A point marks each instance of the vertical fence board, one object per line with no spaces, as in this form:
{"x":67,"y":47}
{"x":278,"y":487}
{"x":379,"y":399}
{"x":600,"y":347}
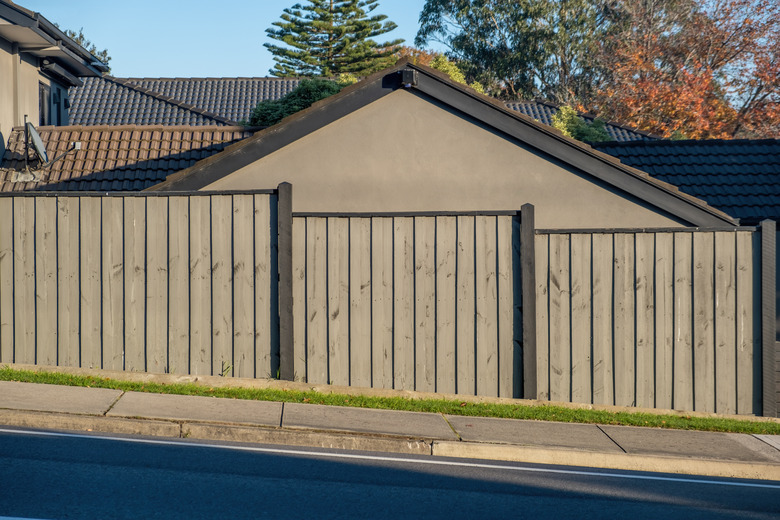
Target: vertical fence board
{"x":179,"y":286}
{"x":542,"y":248}
{"x":560,"y":316}
{"x":487,"y":311}
{"x":403,"y":320}
{"x":6,"y":280}
{"x":683,"y":321}
{"x":135,"y":283}
{"x":465,"y":311}
{"x":645,"y":320}
{"x":725,"y":323}
{"x":90,"y":222}
{"x":317,"y":300}
{"x":24,"y":280}
{"x":664,"y":321}
{"x":506,"y":313}
{"x":46,"y":280}
{"x":113,"y":284}
{"x":382,"y":302}
{"x":244,"y":299}
{"x":266,"y":319}
{"x":338,"y":300}
{"x":157,"y":284}
{"x":360,"y":302}
{"x":222,"y":362}
{"x":299,"y":296}
{"x":425,"y":303}
{"x":624,"y":309}
{"x":446,"y":304}
{"x":200,"y":286}
{"x":602,"y":258}
{"x":67,"y":281}
{"x":703,"y":326}
{"x":745,"y":338}
{"x":581,"y":318}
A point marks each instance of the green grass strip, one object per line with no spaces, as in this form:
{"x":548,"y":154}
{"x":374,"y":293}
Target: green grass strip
{"x":506,"y":411}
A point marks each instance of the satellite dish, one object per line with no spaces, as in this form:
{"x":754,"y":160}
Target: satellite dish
{"x":37,"y":143}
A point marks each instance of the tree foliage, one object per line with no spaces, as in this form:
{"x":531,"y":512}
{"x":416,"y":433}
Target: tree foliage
{"x":330,"y":37}
{"x":519,"y":48}
{"x":702,"y":69}
{"x":82,"y":40}
{"x":572,"y":125}
{"x":308,"y":92}
{"x":694,"y":68}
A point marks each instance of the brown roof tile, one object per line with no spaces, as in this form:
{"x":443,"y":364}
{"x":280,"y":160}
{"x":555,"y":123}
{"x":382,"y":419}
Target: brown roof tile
{"x":111,"y":158}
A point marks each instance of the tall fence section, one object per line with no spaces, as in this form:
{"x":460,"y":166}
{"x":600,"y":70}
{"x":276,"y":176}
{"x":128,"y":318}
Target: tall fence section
{"x":165,"y":284}
{"x":234,"y":284}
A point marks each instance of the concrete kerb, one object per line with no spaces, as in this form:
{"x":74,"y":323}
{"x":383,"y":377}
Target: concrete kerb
{"x":615,"y":461}
{"x":275,"y":384}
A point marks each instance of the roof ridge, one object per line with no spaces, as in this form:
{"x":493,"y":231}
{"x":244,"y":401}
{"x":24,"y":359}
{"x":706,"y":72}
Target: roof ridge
{"x":166,"y":99}
{"x":268,"y":78}
{"x":691,"y":142}
{"x":71,"y":128}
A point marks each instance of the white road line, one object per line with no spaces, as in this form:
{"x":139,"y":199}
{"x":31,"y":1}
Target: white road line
{"x":434,"y":462}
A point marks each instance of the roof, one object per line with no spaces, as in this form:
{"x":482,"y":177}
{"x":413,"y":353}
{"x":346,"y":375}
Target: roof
{"x":224,"y":101}
{"x":739,"y":177}
{"x":35,"y":35}
{"x":544,"y":111}
{"x":435,"y":85}
{"x":172,"y":101}
{"x":111,"y":158}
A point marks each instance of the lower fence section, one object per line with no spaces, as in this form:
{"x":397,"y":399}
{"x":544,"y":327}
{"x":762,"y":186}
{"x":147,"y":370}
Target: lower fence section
{"x":650,"y":319}
{"x":165,"y":284}
{"x":427,"y":303}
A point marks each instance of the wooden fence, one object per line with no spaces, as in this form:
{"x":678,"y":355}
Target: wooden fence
{"x":668,"y":319}
{"x":166,"y":284}
{"x":414,"y":302}
{"x":234,"y":284}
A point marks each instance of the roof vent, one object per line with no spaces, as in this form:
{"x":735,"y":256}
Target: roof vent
{"x":409,"y":78}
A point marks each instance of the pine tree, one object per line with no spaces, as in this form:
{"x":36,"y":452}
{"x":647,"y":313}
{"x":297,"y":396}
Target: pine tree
{"x":330,"y":37}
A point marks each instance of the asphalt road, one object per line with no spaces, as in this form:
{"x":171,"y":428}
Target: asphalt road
{"x":45,"y":475}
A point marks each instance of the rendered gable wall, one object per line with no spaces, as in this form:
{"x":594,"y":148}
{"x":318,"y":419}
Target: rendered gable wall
{"x":405,"y":152}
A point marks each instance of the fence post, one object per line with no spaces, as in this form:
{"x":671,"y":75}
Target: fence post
{"x":768,"y":317}
{"x":286,"y":355}
{"x":528,"y":283}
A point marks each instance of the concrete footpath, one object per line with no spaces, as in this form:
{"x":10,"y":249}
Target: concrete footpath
{"x":614,"y":447}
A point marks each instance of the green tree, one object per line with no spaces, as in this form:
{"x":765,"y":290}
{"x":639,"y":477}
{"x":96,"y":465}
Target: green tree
{"x":572,"y":125}
{"x":82,"y":40}
{"x":308,"y":92}
{"x":330,"y":37}
{"x":520,"y":48}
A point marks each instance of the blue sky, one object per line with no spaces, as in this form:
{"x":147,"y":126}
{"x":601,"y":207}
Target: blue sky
{"x":194,"y":38}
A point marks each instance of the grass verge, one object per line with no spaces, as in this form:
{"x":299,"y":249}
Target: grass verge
{"x":506,"y":411}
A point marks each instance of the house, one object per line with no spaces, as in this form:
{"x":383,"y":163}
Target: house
{"x":38,"y":64}
{"x":411,"y":139}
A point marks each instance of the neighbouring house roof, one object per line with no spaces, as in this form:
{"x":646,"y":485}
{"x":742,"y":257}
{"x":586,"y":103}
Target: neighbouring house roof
{"x":740,"y":177}
{"x":224,"y":101}
{"x":172,"y":101}
{"x":111,"y":158}
{"x":35,"y":35}
{"x":544,"y":111}
{"x":432,"y":84}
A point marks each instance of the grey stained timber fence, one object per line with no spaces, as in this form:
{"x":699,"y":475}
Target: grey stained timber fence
{"x":668,"y":319}
{"x":167,"y":284}
{"x":414,"y":302}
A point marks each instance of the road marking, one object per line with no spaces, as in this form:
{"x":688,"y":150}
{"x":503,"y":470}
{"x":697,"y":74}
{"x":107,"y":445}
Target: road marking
{"x":433,"y":462}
